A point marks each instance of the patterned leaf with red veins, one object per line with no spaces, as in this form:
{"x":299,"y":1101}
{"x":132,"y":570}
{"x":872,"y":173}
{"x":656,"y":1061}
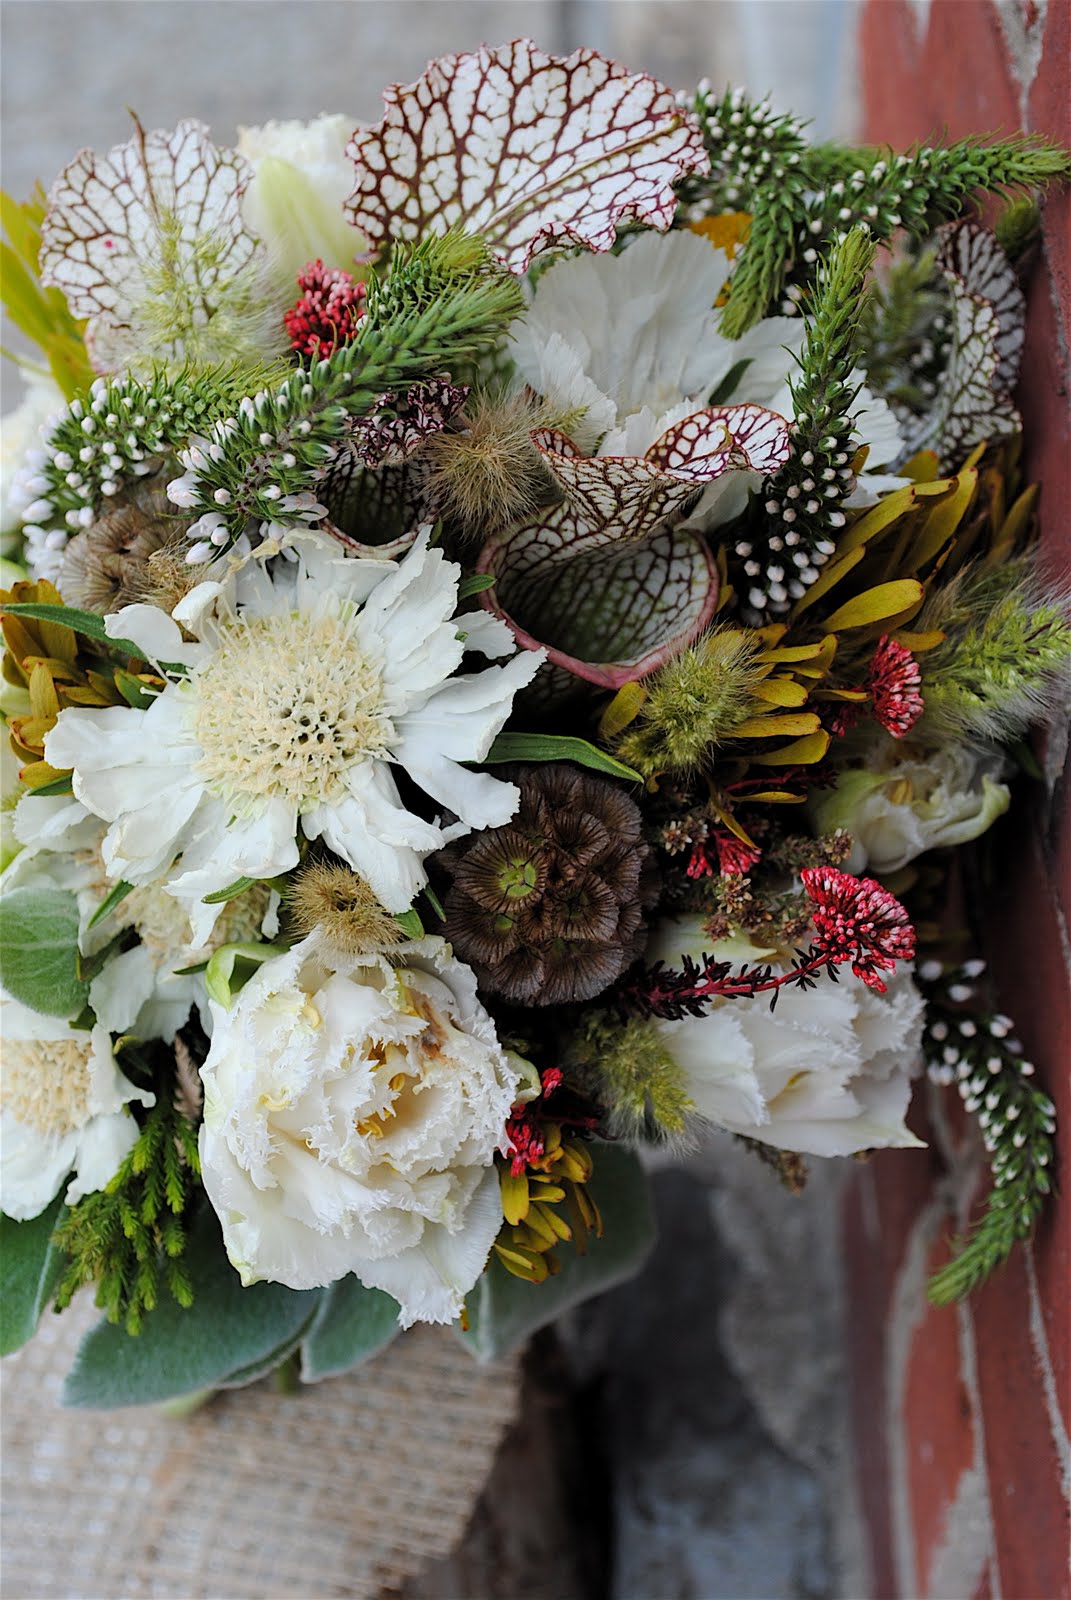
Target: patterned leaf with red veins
{"x":606,"y":615}
{"x":400,"y":424}
{"x":970,"y":254}
{"x":974,"y":397}
{"x":526,"y":149}
{"x":148,"y":241}
{"x":620,"y":498}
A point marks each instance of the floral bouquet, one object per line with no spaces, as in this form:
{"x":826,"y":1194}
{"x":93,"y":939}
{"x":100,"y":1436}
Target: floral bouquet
{"x":481,"y":592}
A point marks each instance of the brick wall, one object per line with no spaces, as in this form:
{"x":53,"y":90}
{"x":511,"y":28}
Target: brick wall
{"x":962,"y":1415}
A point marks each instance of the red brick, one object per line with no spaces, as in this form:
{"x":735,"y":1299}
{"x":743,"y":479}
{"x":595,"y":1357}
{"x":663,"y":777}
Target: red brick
{"x":938,"y":1425}
{"x":1029,"y":1510}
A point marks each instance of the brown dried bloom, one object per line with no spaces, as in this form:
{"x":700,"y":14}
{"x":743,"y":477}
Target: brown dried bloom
{"x":106,"y":566}
{"x":549,"y":909}
{"x":328,"y":895}
{"x":485,"y":470}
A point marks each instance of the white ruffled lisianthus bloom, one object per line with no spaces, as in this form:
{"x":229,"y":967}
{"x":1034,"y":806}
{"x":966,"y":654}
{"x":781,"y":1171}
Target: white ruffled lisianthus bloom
{"x":632,"y":340}
{"x":875,"y":426}
{"x":306,"y":687}
{"x":897,"y":807}
{"x":63,"y":1109}
{"x":353,"y":1107}
{"x":827,"y":1072}
{"x":301,"y":177}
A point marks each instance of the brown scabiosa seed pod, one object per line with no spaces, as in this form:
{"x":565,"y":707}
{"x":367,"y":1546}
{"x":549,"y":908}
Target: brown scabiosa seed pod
{"x":549,"y":909}
{"x":107,"y":566}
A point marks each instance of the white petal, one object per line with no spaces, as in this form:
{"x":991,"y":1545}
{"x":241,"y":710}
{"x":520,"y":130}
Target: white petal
{"x":32,"y":1168}
{"x":463,"y":717}
{"x":102,"y":1145}
{"x":380,"y":839}
{"x":152,"y":630}
{"x":431,"y":1280}
{"x":120,"y":990}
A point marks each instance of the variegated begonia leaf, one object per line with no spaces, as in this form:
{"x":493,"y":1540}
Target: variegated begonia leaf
{"x":400,"y":424}
{"x":988,"y":312}
{"x":604,"y":613}
{"x":565,"y":577}
{"x":526,"y":149}
{"x":148,"y":243}
{"x":628,"y":497}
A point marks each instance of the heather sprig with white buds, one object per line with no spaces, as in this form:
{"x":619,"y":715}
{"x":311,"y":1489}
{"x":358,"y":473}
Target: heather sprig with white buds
{"x":978,"y":1052}
{"x":802,"y":502}
{"x":438,"y":306}
{"x":800,"y":194}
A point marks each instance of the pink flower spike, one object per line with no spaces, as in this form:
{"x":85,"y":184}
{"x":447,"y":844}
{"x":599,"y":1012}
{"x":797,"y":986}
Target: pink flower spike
{"x":526,"y":149}
{"x":327,"y":314}
{"x":856,"y":920}
{"x":895,"y":687}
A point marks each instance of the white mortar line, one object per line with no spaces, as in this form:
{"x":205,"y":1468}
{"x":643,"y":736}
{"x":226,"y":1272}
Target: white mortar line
{"x":1040,"y":1341}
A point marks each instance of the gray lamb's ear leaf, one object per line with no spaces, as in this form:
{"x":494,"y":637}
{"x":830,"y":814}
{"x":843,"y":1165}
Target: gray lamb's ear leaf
{"x":503,"y":1310}
{"x":351,"y":1324}
{"x":30,"y":1268}
{"x":39,"y":951}
{"x":229,"y":1335}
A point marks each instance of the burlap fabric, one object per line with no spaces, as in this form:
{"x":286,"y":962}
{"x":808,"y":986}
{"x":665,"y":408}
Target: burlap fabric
{"x":344,"y":1489}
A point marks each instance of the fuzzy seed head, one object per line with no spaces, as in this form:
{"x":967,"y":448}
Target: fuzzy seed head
{"x":329,"y":896}
{"x":486,"y":472}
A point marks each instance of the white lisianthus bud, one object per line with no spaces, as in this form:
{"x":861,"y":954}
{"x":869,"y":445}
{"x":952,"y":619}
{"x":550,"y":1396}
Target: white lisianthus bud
{"x":909,"y":806}
{"x":353,"y":1107}
{"x":302,"y":175}
{"x":827,"y":1072}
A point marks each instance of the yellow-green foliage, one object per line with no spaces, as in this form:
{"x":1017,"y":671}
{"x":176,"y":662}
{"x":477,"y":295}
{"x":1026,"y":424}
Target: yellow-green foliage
{"x":694,"y":702}
{"x":628,"y":1068}
{"x":41,"y":314}
{"x":1006,"y":658}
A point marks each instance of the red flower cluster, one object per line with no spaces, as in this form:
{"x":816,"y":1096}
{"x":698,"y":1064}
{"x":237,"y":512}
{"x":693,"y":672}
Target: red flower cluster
{"x":327,"y":314}
{"x":856,"y":920}
{"x":895,"y":687}
{"x":525,"y":1128}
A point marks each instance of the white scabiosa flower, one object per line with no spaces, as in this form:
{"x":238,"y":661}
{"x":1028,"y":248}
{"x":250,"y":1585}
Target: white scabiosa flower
{"x":353,"y":1107}
{"x":899,"y":806}
{"x":827,"y":1072}
{"x":301,"y":177}
{"x":63,"y":1109}
{"x":304,"y":691}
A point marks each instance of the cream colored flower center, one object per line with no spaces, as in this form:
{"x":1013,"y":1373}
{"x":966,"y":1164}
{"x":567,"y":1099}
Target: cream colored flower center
{"x":46,"y":1083}
{"x":285,"y":707}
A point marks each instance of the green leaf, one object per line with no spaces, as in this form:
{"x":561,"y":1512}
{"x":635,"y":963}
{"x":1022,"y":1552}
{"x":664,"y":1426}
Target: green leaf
{"x":87,"y":623}
{"x":231,"y":892}
{"x":230,"y":968}
{"x":39,"y":951}
{"x":30,"y":1268}
{"x":351,"y":1324}
{"x":504,"y":1311}
{"x":119,"y":893}
{"x":476,"y":584}
{"x":133,"y":691}
{"x":227,"y":1336}
{"x":61,"y":785}
{"x":558,"y":747}
{"x":410,"y":923}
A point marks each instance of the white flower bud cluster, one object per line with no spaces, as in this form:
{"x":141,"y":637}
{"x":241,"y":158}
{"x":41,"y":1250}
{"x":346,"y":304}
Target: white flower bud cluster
{"x":979,"y":1053}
